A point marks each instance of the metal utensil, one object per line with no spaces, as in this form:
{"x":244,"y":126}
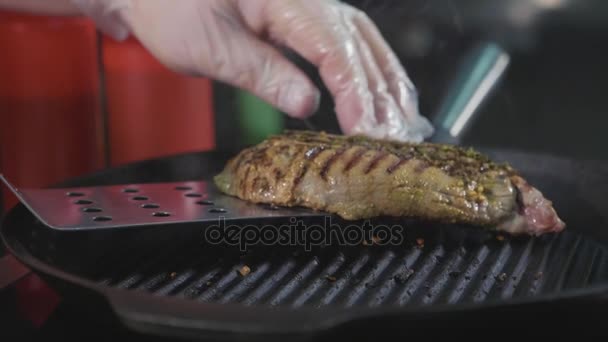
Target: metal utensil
{"x":480,"y":73}
{"x":136,"y":205}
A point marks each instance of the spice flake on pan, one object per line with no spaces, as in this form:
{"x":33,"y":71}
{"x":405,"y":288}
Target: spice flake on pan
{"x":244,"y":271}
{"x":357,"y":177}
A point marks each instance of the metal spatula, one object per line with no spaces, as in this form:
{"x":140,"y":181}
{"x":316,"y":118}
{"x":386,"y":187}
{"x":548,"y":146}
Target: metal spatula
{"x":134,"y":205}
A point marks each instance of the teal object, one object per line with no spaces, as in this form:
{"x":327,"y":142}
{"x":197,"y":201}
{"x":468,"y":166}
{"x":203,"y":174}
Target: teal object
{"x":480,"y":73}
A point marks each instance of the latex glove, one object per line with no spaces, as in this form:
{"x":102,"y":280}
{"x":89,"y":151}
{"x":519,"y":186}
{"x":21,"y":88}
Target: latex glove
{"x":234,"y":41}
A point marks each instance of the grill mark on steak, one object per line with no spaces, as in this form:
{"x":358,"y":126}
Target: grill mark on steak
{"x":244,"y":180}
{"x":310,"y":155}
{"x":261,"y":157}
{"x":330,"y":162}
{"x":397,"y":165}
{"x":355,"y":159}
{"x":245,"y":158}
{"x":435,"y":155}
{"x":374,"y":163}
{"x":278,"y":175}
{"x":238,"y":162}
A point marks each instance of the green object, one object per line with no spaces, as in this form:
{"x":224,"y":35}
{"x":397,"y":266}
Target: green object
{"x":257,"y":119}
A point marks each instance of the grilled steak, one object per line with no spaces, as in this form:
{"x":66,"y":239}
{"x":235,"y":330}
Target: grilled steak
{"x":357,"y":177}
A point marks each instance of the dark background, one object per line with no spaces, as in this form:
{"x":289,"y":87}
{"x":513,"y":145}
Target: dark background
{"x":552,"y":99}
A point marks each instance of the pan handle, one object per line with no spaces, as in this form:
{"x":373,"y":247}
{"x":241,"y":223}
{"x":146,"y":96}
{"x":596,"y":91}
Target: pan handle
{"x":11,"y":271}
{"x":188,"y":318}
{"x":477,"y":77}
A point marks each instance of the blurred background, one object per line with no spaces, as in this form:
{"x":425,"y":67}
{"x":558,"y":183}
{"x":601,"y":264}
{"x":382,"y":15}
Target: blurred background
{"x":514,"y":74}
{"x":549,"y":97}
{"x":527,"y":75}
{"x":529,"y":72}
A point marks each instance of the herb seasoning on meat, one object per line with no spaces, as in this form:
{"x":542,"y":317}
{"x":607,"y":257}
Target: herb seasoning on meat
{"x":357,"y":177}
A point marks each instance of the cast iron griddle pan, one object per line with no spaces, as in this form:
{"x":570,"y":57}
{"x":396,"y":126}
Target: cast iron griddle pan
{"x":168,"y":280}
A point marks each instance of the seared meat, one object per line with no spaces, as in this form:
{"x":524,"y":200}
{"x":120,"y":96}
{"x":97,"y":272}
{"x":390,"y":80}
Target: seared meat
{"x":357,"y":177}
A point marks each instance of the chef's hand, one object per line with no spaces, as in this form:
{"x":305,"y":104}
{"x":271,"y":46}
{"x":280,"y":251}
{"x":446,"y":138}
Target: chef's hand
{"x":234,"y":41}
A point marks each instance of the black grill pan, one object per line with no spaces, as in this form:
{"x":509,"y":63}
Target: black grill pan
{"x":168,"y":281}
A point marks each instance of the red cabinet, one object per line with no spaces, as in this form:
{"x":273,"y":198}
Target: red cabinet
{"x":50,"y":118}
{"x":152,"y":111}
{"x":59,"y":118}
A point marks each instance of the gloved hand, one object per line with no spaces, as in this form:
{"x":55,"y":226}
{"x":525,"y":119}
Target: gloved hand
{"x":234,"y":41}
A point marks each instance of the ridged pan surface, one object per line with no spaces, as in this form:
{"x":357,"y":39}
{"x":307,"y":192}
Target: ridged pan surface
{"x":367,"y":276}
{"x":434,"y":265}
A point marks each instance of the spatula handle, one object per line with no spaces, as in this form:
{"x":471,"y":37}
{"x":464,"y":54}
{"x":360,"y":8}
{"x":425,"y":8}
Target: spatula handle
{"x":477,"y":78}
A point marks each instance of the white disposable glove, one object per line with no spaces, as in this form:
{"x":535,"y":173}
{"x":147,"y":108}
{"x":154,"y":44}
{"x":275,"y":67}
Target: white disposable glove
{"x":234,"y":41}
